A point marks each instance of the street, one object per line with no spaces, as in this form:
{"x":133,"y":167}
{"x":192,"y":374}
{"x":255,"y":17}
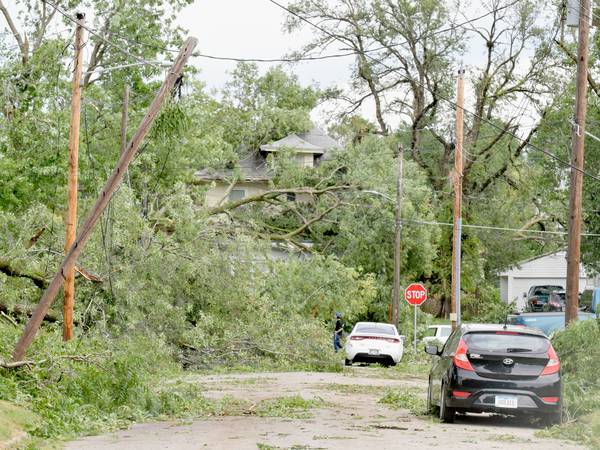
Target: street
{"x":348,"y":415}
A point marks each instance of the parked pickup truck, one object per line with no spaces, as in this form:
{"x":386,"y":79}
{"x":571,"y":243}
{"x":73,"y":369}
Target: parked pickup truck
{"x":548,"y":322}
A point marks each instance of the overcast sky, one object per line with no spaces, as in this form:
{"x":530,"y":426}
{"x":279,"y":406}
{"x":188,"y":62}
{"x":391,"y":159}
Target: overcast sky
{"x":252,"y":29}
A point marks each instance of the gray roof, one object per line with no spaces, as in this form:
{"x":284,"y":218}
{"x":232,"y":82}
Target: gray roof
{"x":254,"y":166}
{"x":294,"y":142}
{"x":319,"y":138}
{"x":314,"y":141}
{"x":251,"y":168}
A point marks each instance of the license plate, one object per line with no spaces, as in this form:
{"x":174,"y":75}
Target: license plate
{"x":506,"y":401}
{"x":373,"y":352}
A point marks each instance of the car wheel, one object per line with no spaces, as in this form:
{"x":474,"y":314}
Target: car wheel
{"x":553,"y":419}
{"x":446,"y":413}
{"x":348,"y":362}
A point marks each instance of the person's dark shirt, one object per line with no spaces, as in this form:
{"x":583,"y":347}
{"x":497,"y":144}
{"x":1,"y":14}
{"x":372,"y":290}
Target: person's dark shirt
{"x":339,"y":325}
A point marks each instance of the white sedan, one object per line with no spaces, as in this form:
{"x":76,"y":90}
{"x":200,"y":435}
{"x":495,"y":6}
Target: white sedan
{"x":373,"y":342}
{"x":437,"y":334}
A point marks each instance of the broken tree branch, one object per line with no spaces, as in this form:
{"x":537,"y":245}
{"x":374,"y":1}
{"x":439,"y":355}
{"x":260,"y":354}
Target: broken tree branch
{"x":273,"y":194}
{"x":106,"y":194}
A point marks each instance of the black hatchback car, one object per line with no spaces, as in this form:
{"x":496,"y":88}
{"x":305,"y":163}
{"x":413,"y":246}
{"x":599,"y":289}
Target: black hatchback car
{"x":494,"y":368}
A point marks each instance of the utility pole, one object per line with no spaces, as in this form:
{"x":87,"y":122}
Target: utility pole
{"x":577,"y":159}
{"x":71,"y":222}
{"x":458,"y":174}
{"x":398,"y":238}
{"x":106,"y":194}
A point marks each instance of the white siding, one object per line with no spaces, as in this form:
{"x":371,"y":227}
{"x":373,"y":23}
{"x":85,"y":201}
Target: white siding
{"x":546,"y":270}
{"x":218,"y":189}
{"x":548,"y":266}
{"x":517,"y":286}
{"x":504,"y":288}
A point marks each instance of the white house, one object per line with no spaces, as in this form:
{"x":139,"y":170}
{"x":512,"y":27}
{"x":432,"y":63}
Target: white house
{"x":254,"y":175}
{"x":550,"y":269}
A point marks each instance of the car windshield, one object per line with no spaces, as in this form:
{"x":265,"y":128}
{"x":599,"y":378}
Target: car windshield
{"x":373,"y":329}
{"x":505,"y":342}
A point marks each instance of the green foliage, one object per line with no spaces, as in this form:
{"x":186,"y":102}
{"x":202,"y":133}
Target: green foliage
{"x":293,"y":407}
{"x":95,"y":383}
{"x":578,"y":349}
{"x":485,"y":306}
{"x":410,"y":399}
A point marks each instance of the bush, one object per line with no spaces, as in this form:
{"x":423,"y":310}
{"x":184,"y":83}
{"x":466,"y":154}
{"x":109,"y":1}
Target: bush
{"x":95,"y":383}
{"x":578,"y":347}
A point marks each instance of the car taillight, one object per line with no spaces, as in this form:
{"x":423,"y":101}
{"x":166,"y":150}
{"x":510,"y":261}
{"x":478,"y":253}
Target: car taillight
{"x":460,"y":394}
{"x":392,"y":340}
{"x":460,"y":357}
{"x":553,"y":365}
{"x":550,"y":399}
{"x":357,"y":338}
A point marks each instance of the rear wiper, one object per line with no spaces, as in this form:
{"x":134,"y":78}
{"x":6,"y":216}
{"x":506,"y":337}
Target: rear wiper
{"x":518,"y":350}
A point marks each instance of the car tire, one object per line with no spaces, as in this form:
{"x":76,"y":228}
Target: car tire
{"x":348,"y":362}
{"x":553,"y":419}
{"x":446,"y":412}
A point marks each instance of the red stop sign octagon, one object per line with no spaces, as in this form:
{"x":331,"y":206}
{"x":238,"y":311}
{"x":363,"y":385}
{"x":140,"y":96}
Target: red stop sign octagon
{"x":415,"y":294}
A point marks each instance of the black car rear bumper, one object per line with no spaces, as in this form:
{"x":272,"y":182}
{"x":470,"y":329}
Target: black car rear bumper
{"x":485,"y":399}
{"x":483,"y":392}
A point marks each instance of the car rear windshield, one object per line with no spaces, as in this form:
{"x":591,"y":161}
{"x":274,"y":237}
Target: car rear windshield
{"x":506,"y":342}
{"x":374,"y":330}
{"x":546,"y":290}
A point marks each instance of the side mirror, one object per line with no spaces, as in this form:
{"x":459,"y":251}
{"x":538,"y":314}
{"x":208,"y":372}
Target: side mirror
{"x":524,"y":294}
{"x":432,"y":350}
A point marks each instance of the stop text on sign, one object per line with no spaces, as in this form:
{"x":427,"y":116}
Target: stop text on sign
{"x":415,"y":294}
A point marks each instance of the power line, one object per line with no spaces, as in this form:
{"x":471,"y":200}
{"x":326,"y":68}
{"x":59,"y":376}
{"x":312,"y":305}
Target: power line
{"x":307,"y":57}
{"x":451,"y":102}
{"x":98,"y":35}
{"x":489,"y":227}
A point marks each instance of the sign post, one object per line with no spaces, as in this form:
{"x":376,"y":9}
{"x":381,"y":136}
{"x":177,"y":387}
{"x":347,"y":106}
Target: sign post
{"x":415,"y":294}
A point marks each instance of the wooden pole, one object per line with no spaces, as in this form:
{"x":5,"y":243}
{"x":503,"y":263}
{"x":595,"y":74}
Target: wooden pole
{"x":457,"y":229}
{"x":71,"y":219}
{"x":577,"y":160}
{"x":108,"y":190}
{"x":398,"y":238}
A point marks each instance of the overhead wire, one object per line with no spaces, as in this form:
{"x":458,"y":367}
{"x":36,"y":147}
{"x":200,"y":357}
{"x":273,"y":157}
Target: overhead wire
{"x":293,"y":59}
{"x":450,"y":102}
{"x":95,"y":33}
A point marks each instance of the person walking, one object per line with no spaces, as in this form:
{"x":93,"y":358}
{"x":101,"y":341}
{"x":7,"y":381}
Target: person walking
{"x":337,"y":332}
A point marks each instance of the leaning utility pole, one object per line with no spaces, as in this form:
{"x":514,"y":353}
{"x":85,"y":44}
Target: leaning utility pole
{"x":71,"y":222}
{"x":458,"y":174}
{"x":577,"y":158}
{"x":398,"y":238}
{"x":106,"y":194}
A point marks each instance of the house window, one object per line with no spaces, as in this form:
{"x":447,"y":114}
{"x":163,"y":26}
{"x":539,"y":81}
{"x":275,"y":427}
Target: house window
{"x":291,"y":196}
{"x":236,"y":194}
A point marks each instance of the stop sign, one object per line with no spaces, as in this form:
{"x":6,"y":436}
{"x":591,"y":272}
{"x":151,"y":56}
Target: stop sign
{"x":415,"y":294}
